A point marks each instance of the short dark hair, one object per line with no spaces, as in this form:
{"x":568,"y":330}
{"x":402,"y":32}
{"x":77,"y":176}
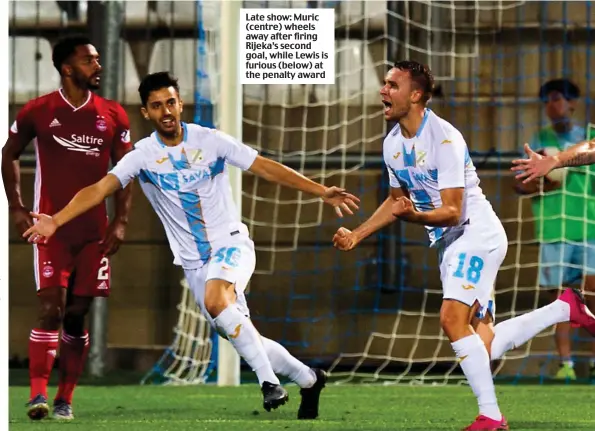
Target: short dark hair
{"x":564,"y":86}
{"x":420,"y":75}
{"x":156,"y":81}
{"x":65,"y":48}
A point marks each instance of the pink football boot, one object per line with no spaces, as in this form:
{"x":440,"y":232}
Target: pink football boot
{"x":484,"y":423}
{"x":580,"y":315}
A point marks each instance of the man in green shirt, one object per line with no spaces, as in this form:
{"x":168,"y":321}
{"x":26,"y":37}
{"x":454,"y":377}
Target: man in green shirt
{"x":564,"y":213}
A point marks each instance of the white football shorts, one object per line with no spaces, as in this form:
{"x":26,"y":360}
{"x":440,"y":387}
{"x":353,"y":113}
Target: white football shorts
{"x":232,"y":259}
{"x":469,"y":262}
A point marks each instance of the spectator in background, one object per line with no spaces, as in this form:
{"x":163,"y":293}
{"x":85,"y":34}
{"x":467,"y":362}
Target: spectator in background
{"x":562,"y":213}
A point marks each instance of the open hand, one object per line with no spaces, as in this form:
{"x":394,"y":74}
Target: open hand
{"x":340,"y":200}
{"x":535,"y":166}
{"x":344,"y":239}
{"x":42,"y":230}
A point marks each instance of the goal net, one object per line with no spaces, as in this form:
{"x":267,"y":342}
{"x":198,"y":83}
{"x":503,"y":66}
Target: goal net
{"x":372,"y":314}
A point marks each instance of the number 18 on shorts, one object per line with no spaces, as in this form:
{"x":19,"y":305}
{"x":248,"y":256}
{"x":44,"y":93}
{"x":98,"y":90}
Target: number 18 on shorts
{"x":469,"y":274}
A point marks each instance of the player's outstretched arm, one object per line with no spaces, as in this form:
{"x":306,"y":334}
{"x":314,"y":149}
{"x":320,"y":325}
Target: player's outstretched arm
{"x":285,"y":176}
{"x":346,"y":240}
{"x":537,"y":166}
{"x":83,"y":201}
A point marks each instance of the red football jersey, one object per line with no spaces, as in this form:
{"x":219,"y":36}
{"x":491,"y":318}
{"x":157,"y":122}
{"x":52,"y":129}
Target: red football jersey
{"x":73,"y":148}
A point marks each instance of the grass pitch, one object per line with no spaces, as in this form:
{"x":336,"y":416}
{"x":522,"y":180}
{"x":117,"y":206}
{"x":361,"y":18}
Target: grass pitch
{"x":344,"y":408}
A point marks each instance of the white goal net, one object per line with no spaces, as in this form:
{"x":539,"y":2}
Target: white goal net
{"x":372,"y":314}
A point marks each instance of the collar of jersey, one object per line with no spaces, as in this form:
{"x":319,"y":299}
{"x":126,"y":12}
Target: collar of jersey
{"x":421,"y":126}
{"x":423,"y":122}
{"x":184,"y":134}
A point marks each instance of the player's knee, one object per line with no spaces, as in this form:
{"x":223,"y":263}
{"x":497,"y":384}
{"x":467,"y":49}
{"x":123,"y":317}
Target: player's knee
{"x":452,"y":320}
{"x":50,"y":316}
{"x":217,"y":297}
{"x":74,"y":323}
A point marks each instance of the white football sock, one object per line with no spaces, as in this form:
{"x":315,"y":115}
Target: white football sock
{"x":475,"y":363}
{"x":246,"y":340}
{"x":517,"y":331}
{"x":286,"y":365}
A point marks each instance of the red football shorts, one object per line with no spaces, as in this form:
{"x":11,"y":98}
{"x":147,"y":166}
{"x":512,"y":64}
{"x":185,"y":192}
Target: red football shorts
{"x":56,"y":262}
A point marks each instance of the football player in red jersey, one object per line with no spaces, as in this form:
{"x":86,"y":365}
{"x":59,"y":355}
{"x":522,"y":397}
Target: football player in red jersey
{"x":76,"y":133}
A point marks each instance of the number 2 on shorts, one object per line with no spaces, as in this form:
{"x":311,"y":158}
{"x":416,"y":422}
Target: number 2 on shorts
{"x":473,"y":270}
{"x":102,"y":274}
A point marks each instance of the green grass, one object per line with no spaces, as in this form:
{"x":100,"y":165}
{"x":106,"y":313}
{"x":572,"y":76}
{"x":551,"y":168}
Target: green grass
{"x":353,"y":407}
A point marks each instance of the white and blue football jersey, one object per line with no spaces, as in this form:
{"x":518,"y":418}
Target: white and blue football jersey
{"x":436,"y":158}
{"x":188,"y":186}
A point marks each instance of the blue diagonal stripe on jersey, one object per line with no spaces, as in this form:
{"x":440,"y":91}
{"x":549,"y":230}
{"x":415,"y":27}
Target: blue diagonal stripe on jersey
{"x":149,"y":177}
{"x":422,"y":200}
{"x":404,"y":178}
{"x":168,"y":181}
{"x":433,"y":174}
{"x":436,"y":233}
{"x":193,"y":211}
{"x":217,"y":167}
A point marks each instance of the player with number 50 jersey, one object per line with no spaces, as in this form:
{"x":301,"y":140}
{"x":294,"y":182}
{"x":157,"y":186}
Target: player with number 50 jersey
{"x":183,"y":171}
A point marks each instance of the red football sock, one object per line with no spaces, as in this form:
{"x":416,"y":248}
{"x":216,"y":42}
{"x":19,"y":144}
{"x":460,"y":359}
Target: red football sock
{"x":42,"y":352}
{"x":73,"y":354}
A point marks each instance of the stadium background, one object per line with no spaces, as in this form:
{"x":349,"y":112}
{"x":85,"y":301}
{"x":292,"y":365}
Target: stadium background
{"x":490,"y":58}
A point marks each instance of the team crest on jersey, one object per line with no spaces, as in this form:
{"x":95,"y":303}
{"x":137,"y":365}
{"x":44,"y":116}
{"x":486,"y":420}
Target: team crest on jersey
{"x":101,"y":123}
{"x":47,"y":271}
{"x":194,"y":156}
{"x":421,"y":158}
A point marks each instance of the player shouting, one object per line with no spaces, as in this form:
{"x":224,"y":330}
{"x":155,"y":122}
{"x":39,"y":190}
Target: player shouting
{"x":183,"y":172}
{"x":434,"y":183}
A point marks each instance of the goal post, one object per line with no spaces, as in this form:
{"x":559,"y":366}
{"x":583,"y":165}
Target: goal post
{"x":230,"y":122}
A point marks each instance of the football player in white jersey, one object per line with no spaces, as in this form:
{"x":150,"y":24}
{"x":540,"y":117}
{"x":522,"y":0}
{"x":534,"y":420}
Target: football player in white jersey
{"x":183,"y":172}
{"x":434,"y":183}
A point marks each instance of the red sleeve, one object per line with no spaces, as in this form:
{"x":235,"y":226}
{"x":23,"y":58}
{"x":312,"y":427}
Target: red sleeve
{"x":122,"y":136}
{"x":24,"y":126}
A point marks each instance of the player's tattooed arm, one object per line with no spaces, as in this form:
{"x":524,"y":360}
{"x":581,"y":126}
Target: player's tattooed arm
{"x":537,"y":165}
{"x":578,"y":155}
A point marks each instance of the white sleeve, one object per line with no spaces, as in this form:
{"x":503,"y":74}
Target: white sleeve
{"x":450,"y":163}
{"x":394,"y":182}
{"x":128,"y":167}
{"x":235,"y":152}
